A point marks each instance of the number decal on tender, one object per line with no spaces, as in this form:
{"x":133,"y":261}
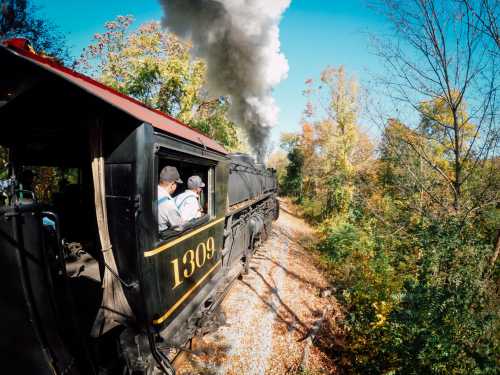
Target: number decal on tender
{"x":177,"y":279}
{"x":192,"y":260}
{"x":210,"y":248}
{"x":203,"y":250}
{"x":192,"y":266}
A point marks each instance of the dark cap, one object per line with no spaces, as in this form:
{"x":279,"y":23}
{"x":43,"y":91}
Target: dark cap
{"x":195,"y":182}
{"x":170,"y":174}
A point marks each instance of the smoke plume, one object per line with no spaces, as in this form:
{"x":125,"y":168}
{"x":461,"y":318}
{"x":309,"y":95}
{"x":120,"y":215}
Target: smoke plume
{"x":239,"y":39}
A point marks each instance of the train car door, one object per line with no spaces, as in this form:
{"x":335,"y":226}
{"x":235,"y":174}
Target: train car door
{"x":129,"y":200}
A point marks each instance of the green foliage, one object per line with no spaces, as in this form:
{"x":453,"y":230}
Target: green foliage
{"x":332,"y":141}
{"x":156,"y":68}
{"x":447,"y":319}
{"x":339,"y":195}
{"x":339,"y":241}
{"x":312,"y":209}
{"x":148,"y":64}
{"x":418,"y":283}
{"x":216,"y":124}
{"x":412,"y":239}
{"x":278,"y":160}
{"x":415,"y":268}
{"x":418,"y":302}
{"x":330,"y":153}
{"x":21,"y":19}
{"x":293,"y":183}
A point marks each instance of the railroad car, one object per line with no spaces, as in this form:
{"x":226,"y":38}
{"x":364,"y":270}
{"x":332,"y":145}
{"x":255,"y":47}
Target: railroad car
{"x":89,"y":284}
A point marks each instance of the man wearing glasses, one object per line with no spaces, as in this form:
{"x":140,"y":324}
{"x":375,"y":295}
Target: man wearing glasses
{"x":188,"y":203}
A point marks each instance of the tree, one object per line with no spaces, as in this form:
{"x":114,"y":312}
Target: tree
{"x":293,"y":182}
{"x":437,"y":61}
{"x":212,"y":119}
{"x":333,"y":106}
{"x":279,"y":161}
{"x":20,"y":19}
{"x":486,"y":12}
{"x":156,"y":68}
{"x":330,"y":155}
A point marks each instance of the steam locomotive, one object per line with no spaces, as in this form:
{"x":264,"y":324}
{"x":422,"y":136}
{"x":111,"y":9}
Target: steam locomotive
{"x":89,"y":284}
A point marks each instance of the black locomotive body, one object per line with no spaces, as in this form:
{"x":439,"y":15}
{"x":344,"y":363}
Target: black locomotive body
{"x":53,"y":261}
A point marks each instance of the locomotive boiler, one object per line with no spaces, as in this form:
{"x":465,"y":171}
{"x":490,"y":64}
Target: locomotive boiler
{"x":89,"y":284}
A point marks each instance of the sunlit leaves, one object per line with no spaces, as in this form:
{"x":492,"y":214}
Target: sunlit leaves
{"x":330,"y":153}
{"x":156,"y":67}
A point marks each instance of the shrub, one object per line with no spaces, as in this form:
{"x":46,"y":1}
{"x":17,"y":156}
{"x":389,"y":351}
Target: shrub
{"x":415,"y":303}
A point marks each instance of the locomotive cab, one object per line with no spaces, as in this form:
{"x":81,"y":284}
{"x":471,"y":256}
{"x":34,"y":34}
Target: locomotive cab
{"x":52,"y":264}
{"x":90,"y":284}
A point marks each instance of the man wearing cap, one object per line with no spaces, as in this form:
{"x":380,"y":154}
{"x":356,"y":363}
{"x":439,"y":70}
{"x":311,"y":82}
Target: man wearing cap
{"x":188,"y":203}
{"x":168,"y":215}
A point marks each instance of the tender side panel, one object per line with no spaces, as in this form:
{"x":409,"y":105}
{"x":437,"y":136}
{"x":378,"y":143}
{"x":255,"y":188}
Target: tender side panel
{"x":179,"y":270}
{"x":182,"y":266}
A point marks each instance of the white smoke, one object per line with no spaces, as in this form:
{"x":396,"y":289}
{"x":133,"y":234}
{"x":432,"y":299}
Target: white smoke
{"x":239,"y":39}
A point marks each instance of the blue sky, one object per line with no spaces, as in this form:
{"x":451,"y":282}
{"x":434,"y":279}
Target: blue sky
{"x":314,"y":34}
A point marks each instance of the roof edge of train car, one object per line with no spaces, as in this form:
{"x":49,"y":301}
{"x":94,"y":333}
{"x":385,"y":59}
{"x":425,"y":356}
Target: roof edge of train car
{"x":161,"y":121}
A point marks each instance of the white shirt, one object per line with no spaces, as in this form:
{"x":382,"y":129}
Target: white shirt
{"x":188,"y":205}
{"x":168,"y":215}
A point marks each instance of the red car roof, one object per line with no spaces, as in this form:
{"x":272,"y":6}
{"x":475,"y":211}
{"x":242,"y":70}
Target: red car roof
{"x":125,"y":103}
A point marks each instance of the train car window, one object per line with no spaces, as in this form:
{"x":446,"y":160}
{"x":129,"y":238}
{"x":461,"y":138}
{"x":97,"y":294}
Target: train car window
{"x":48,"y":183}
{"x":187,"y":193}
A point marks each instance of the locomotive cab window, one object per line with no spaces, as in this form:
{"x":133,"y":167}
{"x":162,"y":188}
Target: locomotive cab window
{"x":185,"y":193}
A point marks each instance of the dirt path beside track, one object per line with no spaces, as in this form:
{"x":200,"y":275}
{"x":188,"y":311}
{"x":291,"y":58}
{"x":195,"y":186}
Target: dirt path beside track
{"x":270,"y":314}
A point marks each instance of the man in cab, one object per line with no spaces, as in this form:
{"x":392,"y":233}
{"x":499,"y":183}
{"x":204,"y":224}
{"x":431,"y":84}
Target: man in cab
{"x":168,"y":214}
{"x":188,"y":203}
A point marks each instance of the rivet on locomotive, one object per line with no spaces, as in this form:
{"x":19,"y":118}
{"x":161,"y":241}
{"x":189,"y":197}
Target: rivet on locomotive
{"x":89,"y":284}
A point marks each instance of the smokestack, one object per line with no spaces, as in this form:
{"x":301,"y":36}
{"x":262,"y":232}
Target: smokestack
{"x":239,"y":39}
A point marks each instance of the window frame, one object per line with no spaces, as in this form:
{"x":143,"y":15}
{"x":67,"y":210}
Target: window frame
{"x":165,"y":152}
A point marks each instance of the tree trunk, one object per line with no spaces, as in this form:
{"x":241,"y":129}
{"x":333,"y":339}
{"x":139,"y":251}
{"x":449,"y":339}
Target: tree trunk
{"x":457,"y":183}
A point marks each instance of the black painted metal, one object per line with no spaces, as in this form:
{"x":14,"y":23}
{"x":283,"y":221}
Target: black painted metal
{"x":247,"y":180}
{"x":31,"y":341}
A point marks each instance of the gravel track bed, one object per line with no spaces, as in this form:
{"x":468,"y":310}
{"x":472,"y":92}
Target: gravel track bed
{"x":268,"y":314}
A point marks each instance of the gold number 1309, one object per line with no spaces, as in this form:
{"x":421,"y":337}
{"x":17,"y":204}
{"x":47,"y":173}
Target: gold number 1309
{"x":191,"y":260}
